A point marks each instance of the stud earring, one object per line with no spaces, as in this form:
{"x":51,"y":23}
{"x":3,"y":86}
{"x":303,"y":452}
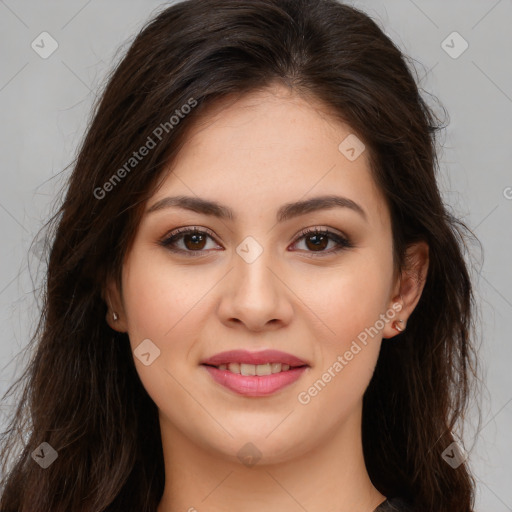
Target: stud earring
{"x":115,"y":316}
{"x":397,"y":327}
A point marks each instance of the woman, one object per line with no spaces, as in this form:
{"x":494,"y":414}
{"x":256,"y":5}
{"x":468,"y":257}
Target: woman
{"x":255,"y":297}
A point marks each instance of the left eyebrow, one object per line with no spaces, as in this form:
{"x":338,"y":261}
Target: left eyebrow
{"x":285,"y":212}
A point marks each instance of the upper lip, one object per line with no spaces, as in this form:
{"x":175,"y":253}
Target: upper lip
{"x":246,"y":357}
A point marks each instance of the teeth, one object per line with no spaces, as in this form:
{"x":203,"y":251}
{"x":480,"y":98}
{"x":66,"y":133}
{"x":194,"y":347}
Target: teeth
{"x":234,"y":367}
{"x":247,"y":369}
{"x":275,"y":367}
{"x":263,"y":369}
{"x":255,"y":369}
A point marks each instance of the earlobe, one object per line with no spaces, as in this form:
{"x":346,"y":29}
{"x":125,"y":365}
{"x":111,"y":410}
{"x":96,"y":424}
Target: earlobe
{"x":397,"y":324}
{"x":409,"y":287}
{"x":115,"y":316}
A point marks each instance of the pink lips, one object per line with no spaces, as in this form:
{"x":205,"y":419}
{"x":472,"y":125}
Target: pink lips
{"x":255,"y":385}
{"x":262,"y":357}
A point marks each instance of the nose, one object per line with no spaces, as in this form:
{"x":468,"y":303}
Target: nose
{"x":255,"y":295}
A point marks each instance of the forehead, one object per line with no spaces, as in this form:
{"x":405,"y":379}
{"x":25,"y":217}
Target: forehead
{"x":269,"y":147}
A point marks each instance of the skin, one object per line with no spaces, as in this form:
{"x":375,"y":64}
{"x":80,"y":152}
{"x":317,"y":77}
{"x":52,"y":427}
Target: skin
{"x":254,"y":154}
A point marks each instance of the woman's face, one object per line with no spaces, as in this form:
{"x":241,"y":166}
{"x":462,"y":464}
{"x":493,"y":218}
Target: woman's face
{"x":253,"y":281}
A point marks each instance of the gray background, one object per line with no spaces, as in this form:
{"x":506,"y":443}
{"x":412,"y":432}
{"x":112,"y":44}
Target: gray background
{"x":45,"y":106}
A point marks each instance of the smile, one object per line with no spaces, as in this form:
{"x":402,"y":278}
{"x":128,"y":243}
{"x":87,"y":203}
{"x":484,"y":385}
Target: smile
{"x":255,"y":369}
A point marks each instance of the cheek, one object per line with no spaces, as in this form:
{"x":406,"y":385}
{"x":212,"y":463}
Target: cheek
{"x":349,"y":301}
{"x":158,"y":300}
{"x":159,"y":306}
{"x":350,"y":297}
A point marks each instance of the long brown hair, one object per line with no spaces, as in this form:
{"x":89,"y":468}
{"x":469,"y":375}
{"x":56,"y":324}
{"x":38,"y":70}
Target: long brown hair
{"x":81,"y":393}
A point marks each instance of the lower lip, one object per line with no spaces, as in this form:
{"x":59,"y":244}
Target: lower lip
{"x":255,"y":385}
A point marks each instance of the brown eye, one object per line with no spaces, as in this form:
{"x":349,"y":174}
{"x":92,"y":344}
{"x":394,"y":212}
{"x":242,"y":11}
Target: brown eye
{"x":317,"y":240}
{"x":193,"y":241}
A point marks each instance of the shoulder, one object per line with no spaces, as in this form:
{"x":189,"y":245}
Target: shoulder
{"x":394,"y":505}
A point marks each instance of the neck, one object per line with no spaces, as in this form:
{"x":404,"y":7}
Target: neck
{"x":330,"y":476}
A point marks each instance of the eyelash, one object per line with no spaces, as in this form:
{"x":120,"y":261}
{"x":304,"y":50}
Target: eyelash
{"x":171,"y":238}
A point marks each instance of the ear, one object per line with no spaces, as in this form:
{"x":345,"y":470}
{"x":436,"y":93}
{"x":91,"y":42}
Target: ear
{"x":409,"y":286}
{"x":112,"y":297}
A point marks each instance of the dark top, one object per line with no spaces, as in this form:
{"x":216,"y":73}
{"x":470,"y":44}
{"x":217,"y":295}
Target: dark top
{"x":394,"y":505}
